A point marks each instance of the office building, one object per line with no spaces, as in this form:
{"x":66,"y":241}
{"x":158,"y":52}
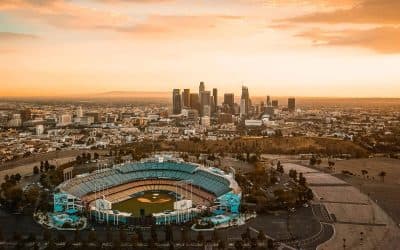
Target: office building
{"x":291,"y":104}
{"x":176,"y":102}
{"x":269,"y":110}
{"x":275,"y":103}
{"x":186,"y":98}
{"x":244,"y":101}
{"x":39,"y":129}
{"x":229,"y":99}
{"x":190,"y":114}
{"x":194,"y":101}
{"x":225,"y":118}
{"x":65,"y":119}
{"x":206,"y":110}
{"x":268,"y":101}
{"x":205,"y":100}
{"x":214,"y":103}
{"x":26,"y":115}
{"x":95,"y":115}
{"x":201,"y":87}
{"x":79,"y":112}
{"x":205,"y":121}
{"x":242,"y":107}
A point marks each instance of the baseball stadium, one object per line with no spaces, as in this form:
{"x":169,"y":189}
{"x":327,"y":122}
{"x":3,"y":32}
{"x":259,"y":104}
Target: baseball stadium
{"x":164,"y":188}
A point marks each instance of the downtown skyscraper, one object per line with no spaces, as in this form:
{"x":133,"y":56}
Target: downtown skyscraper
{"x":176,"y":101}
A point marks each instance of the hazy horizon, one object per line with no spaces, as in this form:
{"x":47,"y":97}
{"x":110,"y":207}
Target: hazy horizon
{"x":167,"y":95}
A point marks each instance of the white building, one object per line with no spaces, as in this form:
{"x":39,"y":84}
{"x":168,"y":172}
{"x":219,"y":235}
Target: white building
{"x":205,"y":121}
{"x":39,"y":129}
{"x":65,"y":119}
{"x":253,"y":123}
{"x":79,"y":112}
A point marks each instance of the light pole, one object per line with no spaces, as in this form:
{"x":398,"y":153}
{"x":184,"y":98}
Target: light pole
{"x":361,"y":238}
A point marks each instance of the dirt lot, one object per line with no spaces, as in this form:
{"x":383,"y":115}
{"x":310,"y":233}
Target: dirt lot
{"x":385,"y":192}
{"x":354,"y":212}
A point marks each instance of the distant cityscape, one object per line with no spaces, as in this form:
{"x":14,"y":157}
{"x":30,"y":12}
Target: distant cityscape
{"x":203,"y":104}
{"x":28,"y":128}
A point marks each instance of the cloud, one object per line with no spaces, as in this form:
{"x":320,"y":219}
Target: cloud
{"x":178,"y":25}
{"x":366,"y":12}
{"x":11,"y":36}
{"x":382,"y":39}
{"x":63,"y":14}
{"x":382,"y":17}
{"x":70,"y":15}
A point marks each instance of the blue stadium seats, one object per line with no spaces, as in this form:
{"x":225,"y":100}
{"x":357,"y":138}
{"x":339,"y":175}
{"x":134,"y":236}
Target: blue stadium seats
{"x":209,"y":181}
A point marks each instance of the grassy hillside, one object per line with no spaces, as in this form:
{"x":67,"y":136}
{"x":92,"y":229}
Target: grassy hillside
{"x":279,"y":145}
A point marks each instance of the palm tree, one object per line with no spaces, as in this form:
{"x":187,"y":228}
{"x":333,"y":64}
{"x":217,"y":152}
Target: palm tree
{"x":382,"y":174}
{"x":364,"y":172}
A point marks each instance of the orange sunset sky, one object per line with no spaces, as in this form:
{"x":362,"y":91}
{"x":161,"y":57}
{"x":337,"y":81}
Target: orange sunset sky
{"x":347,"y":48}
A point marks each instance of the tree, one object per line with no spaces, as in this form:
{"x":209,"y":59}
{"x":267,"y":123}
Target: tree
{"x":35,"y":170}
{"x":279,"y":168}
{"x":78,"y":159}
{"x":313,"y":161}
{"x":18,"y":177}
{"x":293,"y":174}
{"x":261,"y":236}
{"x":382,"y":174}
{"x":302,"y":180}
{"x":46,"y":166}
{"x":364,"y":172}
{"x":32,"y":194}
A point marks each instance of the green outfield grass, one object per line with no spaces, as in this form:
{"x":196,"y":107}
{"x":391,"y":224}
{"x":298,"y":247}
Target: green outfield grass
{"x":151,"y":202}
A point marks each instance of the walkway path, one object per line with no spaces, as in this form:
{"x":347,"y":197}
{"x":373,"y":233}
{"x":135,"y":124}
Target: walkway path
{"x":358,"y":219}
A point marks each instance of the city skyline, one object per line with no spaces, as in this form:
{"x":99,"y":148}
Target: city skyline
{"x":313,"y":48}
